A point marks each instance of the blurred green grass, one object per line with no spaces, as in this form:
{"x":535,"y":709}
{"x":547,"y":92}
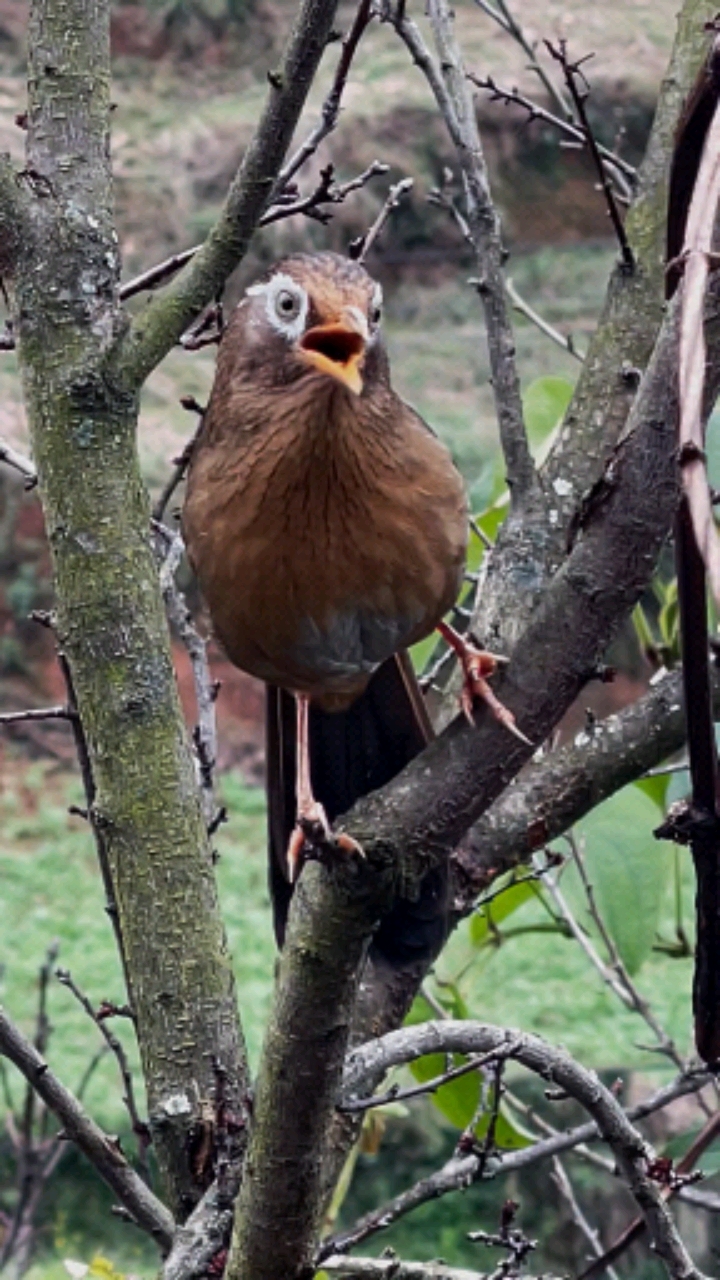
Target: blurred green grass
{"x":51,"y":890}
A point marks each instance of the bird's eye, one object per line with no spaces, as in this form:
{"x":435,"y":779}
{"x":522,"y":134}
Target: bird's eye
{"x":375,"y":314}
{"x":288,"y":305}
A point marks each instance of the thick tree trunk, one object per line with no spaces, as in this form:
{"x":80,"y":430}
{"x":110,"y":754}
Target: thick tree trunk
{"x":110,"y":617}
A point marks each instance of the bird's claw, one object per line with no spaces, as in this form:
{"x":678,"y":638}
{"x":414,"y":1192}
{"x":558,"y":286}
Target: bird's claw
{"x":313,"y":837}
{"x":477,"y":665}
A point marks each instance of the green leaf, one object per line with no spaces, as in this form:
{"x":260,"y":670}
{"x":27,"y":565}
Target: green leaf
{"x":544,"y":404}
{"x":515,"y":893}
{"x":712,"y":448}
{"x":458,"y":1100}
{"x":656,"y":788}
{"x":509,"y":1135}
{"x":628,"y":868}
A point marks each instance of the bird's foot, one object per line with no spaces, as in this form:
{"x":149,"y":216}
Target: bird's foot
{"x":313,"y":837}
{"x":477,"y":665}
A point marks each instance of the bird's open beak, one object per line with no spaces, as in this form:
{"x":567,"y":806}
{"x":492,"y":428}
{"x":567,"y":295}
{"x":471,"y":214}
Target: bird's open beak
{"x":338,"y":349}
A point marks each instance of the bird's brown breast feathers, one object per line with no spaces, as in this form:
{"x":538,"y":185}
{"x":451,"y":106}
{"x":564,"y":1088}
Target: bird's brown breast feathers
{"x":326,"y":535}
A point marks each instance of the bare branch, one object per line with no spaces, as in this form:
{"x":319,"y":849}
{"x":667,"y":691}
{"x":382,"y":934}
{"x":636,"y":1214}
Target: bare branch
{"x":558,"y":789}
{"x":634,"y":1156}
{"x":205,"y":735}
{"x":38,"y":713}
{"x":501,"y":13}
{"x":615,"y":973}
{"x":160,"y":325}
{"x":180,"y":466}
{"x":461,"y":1170}
{"x":697,"y":247}
{"x":573,"y":74}
{"x":512,"y":97}
{"x":674,"y":1177}
{"x":102,"y":1151}
{"x":139,"y":1126}
{"x":158,"y":274}
{"x":397,"y":1094}
{"x":330,"y":111}
{"x":449,"y":85}
{"x":361,"y":248}
{"x":20,"y":463}
{"x":565,"y":1187}
{"x":393,"y":1268}
{"x":554,"y":334}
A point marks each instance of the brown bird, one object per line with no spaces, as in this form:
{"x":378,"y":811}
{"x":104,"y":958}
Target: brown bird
{"x":328,"y":527}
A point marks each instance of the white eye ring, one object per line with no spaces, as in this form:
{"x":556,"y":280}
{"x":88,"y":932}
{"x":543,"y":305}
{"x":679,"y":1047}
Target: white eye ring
{"x":287,"y":320}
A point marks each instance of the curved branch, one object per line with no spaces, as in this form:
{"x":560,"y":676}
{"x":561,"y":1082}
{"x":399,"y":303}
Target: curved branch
{"x":395,"y":1269}
{"x":461,"y":1170}
{"x":634,"y":1156}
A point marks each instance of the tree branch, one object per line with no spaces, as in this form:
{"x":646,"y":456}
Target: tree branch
{"x":461,"y":1170}
{"x":394,"y":1268}
{"x":635,"y":1157}
{"x":454,"y":100}
{"x":19,"y":463}
{"x":156,"y":330}
{"x":557,"y":790}
{"x":103,"y":1152}
{"x":529,"y":548}
{"x":421,"y":815}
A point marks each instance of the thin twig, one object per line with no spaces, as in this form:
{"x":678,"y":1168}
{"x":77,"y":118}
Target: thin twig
{"x":447,"y":80}
{"x":158,"y":274}
{"x":20,"y":463}
{"x":139,"y":1126}
{"x":102,"y":1151}
{"x":624,"y":173}
{"x":287,"y":205}
{"x":565,"y":1187}
{"x":614,"y":974}
{"x":501,"y":13}
{"x":360,"y":249}
{"x":396,"y":1094}
{"x":572,"y":74}
{"x":330,"y":110}
{"x":38,"y":713}
{"x":205,"y":735}
{"x":544,"y":326}
{"x":180,"y":466}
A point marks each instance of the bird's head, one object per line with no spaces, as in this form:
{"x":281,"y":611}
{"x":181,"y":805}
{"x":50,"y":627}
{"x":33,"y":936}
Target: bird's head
{"x":315,"y":313}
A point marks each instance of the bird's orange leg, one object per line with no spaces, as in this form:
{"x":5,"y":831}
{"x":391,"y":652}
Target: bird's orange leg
{"x":477,"y":665}
{"x":311,"y":825}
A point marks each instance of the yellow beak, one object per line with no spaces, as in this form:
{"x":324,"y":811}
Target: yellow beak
{"x":338,"y":349}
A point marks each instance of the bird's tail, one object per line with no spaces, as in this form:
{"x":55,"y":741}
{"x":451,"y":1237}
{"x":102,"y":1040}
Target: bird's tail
{"x":354,"y":752}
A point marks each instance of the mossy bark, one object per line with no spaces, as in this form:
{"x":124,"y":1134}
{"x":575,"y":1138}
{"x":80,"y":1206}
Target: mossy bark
{"x":110,"y":618}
